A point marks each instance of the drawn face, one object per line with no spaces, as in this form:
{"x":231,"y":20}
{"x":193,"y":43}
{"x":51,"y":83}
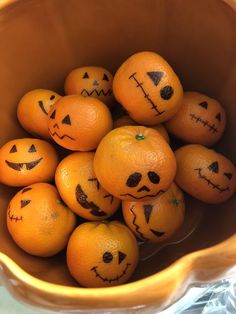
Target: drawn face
{"x":91,"y":81}
{"x":23,"y":160}
{"x":141,"y":189}
{"x":81,"y":190}
{"x":33,"y":110}
{"x":147,"y":82}
{"x":158,"y":219}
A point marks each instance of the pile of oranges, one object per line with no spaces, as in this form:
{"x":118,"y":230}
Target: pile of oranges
{"x":112,"y":163}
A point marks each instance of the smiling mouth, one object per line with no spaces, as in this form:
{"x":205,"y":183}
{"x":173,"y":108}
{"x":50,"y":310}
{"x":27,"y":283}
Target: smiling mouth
{"x":139,"y":85}
{"x":96,"y":92}
{"x":211,"y":127}
{"x":81,"y":198}
{"x":12,"y":217}
{"x":214,"y":186}
{"x":19,"y":165}
{"x":140,"y":197}
{"x":94,"y":269}
{"x":61,"y":137}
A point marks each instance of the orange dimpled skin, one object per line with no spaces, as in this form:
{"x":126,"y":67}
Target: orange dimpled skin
{"x":80,"y":189}
{"x":156,"y":220}
{"x":90,"y":81}
{"x":38,"y":221}
{"x":126,"y":120}
{"x":27,"y":160}
{"x":79,"y":123}
{"x":205,"y":174}
{"x":148,"y":88}
{"x":102,"y":254}
{"x":201,"y":120}
{"x":32,"y":111}
{"x":134,"y":163}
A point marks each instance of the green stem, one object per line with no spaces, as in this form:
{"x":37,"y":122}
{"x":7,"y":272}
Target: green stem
{"x":140,"y":136}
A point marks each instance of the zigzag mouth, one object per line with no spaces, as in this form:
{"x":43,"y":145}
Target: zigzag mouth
{"x":19,"y":165}
{"x":215,"y":186}
{"x":141,"y":197}
{"x":146,"y":95}
{"x":211,"y":127}
{"x":97,"y":92}
{"x":61,"y":137}
{"x":94,"y":269}
{"x":137,"y":227}
{"x":12,"y":217}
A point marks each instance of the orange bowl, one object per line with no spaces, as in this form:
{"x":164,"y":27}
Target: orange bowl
{"x":41,"y":42}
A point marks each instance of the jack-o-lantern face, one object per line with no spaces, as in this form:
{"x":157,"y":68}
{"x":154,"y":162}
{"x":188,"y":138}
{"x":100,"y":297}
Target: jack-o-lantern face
{"x":101,"y":254}
{"x":80,"y":189}
{"x":38,"y":221}
{"x":201,"y":120}
{"x":26,"y":161}
{"x":158,"y":219}
{"x":205,"y":174}
{"x":79,"y":123}
{"x":90,"y":81}
{"x":148,"y":88}
{"x":33,"y":108}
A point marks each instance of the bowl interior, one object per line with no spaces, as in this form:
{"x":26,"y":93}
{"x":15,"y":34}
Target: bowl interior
{"x":42,"y":41}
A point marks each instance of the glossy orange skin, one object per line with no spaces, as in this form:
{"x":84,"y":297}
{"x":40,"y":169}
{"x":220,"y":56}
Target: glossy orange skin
{"x":134,"y":169}
{"x":126,"y":120}
{"x":102,"y":254}
{"x":205,"y":174}
{"x":79,"y":123}
{"x":32,"y":111}
{"x":25,"y":161}
{"x":148,"y":88}
{"x":80,"y":189}
{"x":91,"y":81}
{"x":38,"y":221}
{"x":201,"y":120}
{"x":156,"y":220}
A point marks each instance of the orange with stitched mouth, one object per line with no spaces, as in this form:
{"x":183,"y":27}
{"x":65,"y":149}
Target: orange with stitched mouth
{"x":200,"y":120}
{"x":91,"y":81}
{"x":38,"y":221}
{"x":32,"y":111}
{"x":102,"y":254}
{"x":205,"y":174}
{"x":134,"y":163}
{"x":81,"y":190}
{"x":79,"y":123}
{"x":27,"y":160}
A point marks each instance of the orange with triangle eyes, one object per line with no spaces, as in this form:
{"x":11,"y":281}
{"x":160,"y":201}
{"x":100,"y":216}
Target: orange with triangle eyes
{"x":27,"y":160}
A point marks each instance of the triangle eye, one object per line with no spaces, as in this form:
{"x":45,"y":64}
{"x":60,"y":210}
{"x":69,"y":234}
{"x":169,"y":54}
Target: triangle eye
{"x":24,"y":203}
{"x":13,"y":149}
{"x":203,"y":104}
{"x":147,"y":212}
{"x":105,"y":78}
{"x":32,"y":149}
{"x":218,"y":116}
{"x":155,"y":77}
{"x":228,"y":175}
{"x":53,"y":115}
{"x":214,"y":167}
{"x":66,"y":120}
{"x":122,"y":256}
{"x":86,"y":76}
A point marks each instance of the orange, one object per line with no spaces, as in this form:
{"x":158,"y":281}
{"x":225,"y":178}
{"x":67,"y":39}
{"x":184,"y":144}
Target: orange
{"x":25,"y":161}
{"x":126,"y":120}
{"x":205,"y":174}
{"x":158,"y":219}
{"x":80,"y":189}
{"x":79,"y":123}
{"x":148,"y":88}
{"x":134,"y":163}
{"x":201,"y":120}
{"x":102,"y":254}
{"x":38,"y":221}
{"x":90,"y":81}
{"x":32,"y":111}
